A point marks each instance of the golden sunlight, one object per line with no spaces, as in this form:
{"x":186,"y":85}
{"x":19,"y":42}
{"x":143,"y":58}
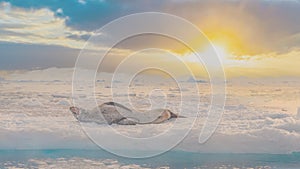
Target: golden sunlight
{"x":222,"y":52}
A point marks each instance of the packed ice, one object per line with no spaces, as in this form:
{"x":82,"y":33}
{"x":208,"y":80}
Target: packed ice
{"x":260,"y":116}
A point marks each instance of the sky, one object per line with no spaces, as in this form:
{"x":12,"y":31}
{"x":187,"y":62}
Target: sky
{"x":254,"y":38}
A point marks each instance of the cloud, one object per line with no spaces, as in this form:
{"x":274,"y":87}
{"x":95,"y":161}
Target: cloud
{"x":271,"y":64}
{"x":59,"y":11}
{"x":37,"y":26}
{"x":247,"y":27}
{"x":31,"y":56}
{"x":82,"y":2}
{"x":258,"y":34}
{"x":40,"y":38}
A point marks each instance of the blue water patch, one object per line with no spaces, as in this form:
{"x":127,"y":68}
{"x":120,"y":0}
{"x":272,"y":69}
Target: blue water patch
{"x":172,"y":159}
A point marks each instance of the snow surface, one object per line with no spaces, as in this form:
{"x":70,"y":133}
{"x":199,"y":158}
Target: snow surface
{"x":261,"y":116}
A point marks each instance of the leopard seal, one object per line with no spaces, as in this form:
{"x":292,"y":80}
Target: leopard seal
{"x":115,"y":113}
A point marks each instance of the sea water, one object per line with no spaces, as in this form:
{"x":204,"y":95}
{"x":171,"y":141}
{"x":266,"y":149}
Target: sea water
{"x":173,"y":159}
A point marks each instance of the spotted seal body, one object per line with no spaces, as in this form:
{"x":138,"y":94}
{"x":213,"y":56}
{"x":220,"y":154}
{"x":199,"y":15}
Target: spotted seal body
{"x":115,"y":113}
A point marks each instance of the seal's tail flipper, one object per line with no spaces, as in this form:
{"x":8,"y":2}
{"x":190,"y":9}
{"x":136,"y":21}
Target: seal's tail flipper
{"x":173,"y":115}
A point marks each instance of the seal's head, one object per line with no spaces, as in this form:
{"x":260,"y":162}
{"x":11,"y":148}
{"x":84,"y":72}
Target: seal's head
{"x":75,"y":111}
{"x":166,"y":115}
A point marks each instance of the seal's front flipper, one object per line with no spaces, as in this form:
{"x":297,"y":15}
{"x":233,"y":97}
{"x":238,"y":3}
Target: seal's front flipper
{"x":127,"y":121}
